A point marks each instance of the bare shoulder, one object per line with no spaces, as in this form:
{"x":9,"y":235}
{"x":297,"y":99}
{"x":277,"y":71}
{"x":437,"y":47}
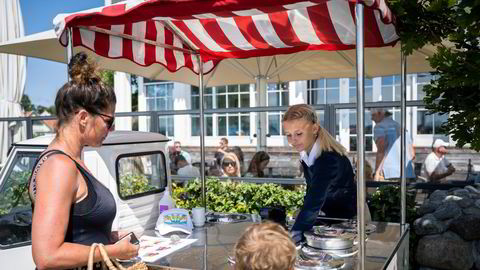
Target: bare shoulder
{"x":58,"y":169}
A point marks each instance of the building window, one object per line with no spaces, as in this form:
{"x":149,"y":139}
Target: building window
{"x":323,"y":91}
{"x":352,"y":90}
{"x":391,"y":88}
{"x":422,"y":80}
{"x":222,"y":97}
{"x":159,"y":97}
{"x":428,"y":123}
{"x":195,"y":105}
{"x":233,"y":96}
{"x":391,"y":91}
{"x":368,"y":131}
{"x":277,"y":95}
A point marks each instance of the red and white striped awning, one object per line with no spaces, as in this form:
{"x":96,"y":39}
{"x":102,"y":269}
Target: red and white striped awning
{"x":169,"y":32}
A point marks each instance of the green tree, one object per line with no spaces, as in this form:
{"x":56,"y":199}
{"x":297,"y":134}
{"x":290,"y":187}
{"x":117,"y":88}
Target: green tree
{"x":41,"y":109}
{"x":107,"y":77}
{"x":26,"y":104}
{"x":134,"y":83}
{"x":457,"y":87}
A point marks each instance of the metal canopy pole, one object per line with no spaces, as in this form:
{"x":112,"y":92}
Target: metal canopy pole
{"x":360,"y":135}
{"x":261,"y":87}
{"x":202,"y":132}
{"x":403,"y":97}
{"x":69,"y":49}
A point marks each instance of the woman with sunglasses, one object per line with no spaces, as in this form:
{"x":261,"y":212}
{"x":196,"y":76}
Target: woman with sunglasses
{"x":327,"y":170}
{"x":230,"y":165}
{"x":71,"y":208}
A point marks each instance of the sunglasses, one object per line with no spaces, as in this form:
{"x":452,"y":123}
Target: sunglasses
{"x":229,"y":163}
{"x":109,"y":121}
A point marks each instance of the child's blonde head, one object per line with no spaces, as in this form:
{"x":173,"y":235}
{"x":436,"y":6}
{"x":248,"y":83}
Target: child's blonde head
{"x":265,"y":246}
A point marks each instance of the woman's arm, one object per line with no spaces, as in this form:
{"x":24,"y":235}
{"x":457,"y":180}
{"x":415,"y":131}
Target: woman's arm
{"x":57,"y":188}
{"x":380,"y":157}
{"x":325,"y":171}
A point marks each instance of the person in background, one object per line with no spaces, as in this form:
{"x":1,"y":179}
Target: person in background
{"x":71,"y":208}
{"x":258,"y":164}
{"x":174,"y":153}
{"x":387,"y":139}
{"x":327,"y":170}
{"x":367,"y":170}
{"x":185,"y":168}
{"x":217,"y":169}
{"x":177,"y":150}
{"x":238,"y":151}
{"x":265,"y":246}
{"x":436,"y":166}
{"x":223,"y":145}
{"x":230,"y":165}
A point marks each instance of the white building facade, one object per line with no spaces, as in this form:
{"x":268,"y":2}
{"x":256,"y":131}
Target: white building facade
{"x":241,"y":128}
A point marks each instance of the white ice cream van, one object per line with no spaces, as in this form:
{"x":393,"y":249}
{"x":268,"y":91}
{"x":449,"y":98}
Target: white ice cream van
{"x":132,"y":164}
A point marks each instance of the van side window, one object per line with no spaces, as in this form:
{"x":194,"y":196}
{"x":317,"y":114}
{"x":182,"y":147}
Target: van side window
{"x":15,"y":205}
{"x":140,"y":174}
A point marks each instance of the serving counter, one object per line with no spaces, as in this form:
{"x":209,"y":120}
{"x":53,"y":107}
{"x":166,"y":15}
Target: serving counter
{"x":386,"y":248}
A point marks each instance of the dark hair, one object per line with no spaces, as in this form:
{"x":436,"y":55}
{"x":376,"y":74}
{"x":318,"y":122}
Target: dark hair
{"x":179,"y":158}
{"x":84,"y":90}
{"x":256,"y":160}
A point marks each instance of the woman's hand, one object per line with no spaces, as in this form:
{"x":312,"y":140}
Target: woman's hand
{"x":117,"y":235}
{"x":125,"y":250}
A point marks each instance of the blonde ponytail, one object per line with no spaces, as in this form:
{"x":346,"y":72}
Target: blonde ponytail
{"x":328,"y":143}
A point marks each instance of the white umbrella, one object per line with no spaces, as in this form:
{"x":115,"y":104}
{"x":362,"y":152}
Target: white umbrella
{"x":278,"y":68}
{"x":12,"y":76}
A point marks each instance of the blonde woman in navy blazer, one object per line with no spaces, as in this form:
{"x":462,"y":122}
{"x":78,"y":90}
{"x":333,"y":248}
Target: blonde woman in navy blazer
{"x":327,"y":170}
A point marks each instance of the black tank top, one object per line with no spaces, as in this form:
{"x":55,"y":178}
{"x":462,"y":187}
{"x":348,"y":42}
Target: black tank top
{"x":91,"y":218}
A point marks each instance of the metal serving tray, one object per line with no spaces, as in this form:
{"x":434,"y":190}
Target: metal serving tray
{"x":341,"y":241}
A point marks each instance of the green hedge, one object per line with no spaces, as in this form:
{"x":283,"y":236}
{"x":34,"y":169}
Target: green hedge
{"x":384,"y":204}
{"x":14,"y":192}
{"x":131,"y":184}
{"x":237,"y":197}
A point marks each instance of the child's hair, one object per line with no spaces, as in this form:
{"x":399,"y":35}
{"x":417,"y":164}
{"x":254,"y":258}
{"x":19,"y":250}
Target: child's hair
{"x":265,"y":246}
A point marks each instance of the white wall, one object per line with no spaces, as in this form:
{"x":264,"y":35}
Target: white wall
{"x":297,"y":95}
{"x":123,"y":91}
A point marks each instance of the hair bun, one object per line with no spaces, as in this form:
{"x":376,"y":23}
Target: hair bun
{"x":81,"y":69}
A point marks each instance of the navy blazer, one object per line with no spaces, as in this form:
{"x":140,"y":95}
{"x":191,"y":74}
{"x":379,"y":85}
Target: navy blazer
{"x":330,"y":187}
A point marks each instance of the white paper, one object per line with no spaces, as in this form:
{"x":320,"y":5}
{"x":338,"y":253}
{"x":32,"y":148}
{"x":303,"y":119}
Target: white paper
{"x":154,"y":248}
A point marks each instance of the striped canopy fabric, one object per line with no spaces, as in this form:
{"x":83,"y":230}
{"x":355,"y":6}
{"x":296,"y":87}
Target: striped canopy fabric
{"x":172,"y":33}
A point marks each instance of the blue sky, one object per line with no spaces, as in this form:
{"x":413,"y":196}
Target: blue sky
{"x":44,"y":78}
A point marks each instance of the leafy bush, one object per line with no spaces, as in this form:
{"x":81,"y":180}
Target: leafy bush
{"x":15,"y":194}
{"x":133,"y":183}
{"x":237,"y":197}
{"x":384,"y":204}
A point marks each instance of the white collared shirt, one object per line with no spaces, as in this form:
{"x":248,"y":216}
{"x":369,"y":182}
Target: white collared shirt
{"x":309,"y":159}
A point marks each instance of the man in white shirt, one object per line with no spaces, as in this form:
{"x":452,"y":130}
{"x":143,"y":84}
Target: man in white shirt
{"x":436,"y":167}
